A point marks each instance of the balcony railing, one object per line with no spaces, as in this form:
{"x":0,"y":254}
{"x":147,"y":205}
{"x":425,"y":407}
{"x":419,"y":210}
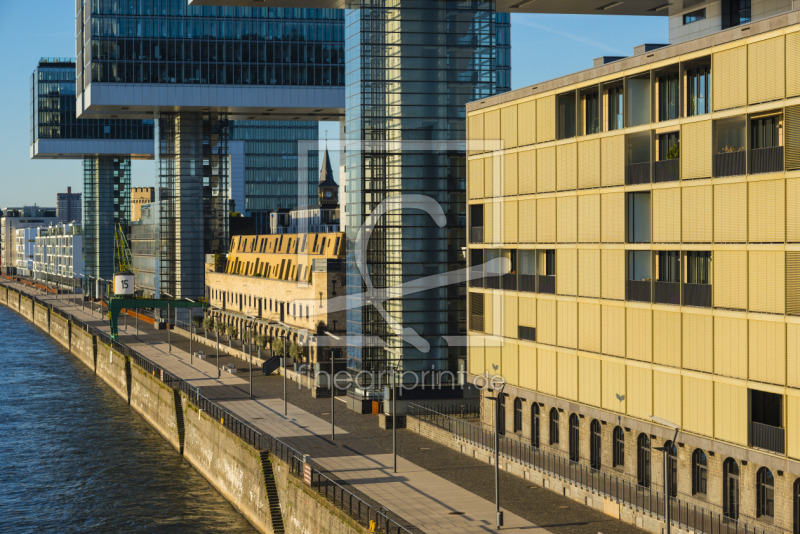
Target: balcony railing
{"x":638,"y":290}
{"x":667,"y":292}
{"x":730,"y":163}
{"x":476,"y":322}
{"x":476,"y":234}
{"x":768,"y":437}
{"x":509,"y":281}
{"x":697,"y":295}
{"x":547,"y":284}
{"x":527,"y":282}
{"x":764,"y":160}
{"x":667,"y":170}
{"x":637,"y":173}
{"x":492,"y":282}
{"x":527,"y":333}
{"x":477,"y":272}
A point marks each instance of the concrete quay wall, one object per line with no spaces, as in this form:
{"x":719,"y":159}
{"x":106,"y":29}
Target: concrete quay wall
{"x":228,"y":463}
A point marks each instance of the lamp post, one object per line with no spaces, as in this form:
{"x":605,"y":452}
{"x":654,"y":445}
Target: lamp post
{"x":169,"y":334}
{"x":333,"y":389}
{"x":191,"y":335}
{"x":497,"y":399}
{"x":669,"y":424}
{"x":393,"y":392}
{"x":285,"y":370}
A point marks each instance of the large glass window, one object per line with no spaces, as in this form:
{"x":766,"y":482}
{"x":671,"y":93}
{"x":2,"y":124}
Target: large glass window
{"x":566,"y":115}
{"x":554,"y":433}
{"x":590,"y":109}
{"x":698,"y":267}
{"x":765,"y":132}
{"x":574,"y":438}
{"x":643,"y":460}
{"x":699,"y":472}
{"x":735,"y":12}
{"x":595,"y":445}
{"x":668,"y":96}
{"x":535,"y":422}
{"x":765,"y":493}
{"x":517,"y":415}
{"x":619,"y":447}
{"x":638,"y":217}
{"x":698,"y":91}
{"x":616,"y":106}
{"x":730,"y":488}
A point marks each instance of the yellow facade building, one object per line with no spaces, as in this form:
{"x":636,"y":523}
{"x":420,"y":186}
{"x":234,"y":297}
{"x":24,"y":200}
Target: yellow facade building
{"x":649,"y":209}
{"x":282,"y":286}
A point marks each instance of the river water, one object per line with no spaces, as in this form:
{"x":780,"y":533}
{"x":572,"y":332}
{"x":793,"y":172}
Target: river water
{"x":75,"y":458}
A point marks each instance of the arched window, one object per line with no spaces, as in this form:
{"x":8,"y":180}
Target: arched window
{"x":574,"y":438}
{"x":699,"y":472}
{"x":553,"y":426}
{"x":501,"y":415}
{"x":765,"y":493}
{"x":619,"y":447}
{"x":730,"y":488}
{"x":643,"y":460}
{"x":796,"y":500}
{"x":535,"y":430}
{"x":672,"y":467}
{"x":517,"y":415}
{"x":595,"y":445}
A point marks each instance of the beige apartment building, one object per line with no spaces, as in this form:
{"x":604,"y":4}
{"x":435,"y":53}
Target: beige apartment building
{"x":649,"y":209}
{"x":139,"y":196}
{"x":281,"y":286}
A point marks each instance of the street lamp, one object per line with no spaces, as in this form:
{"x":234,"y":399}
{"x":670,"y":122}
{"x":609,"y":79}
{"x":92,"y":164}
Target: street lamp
{"x":498,"y":405}
{"x":285,"y":370}
{"x":333,"y":390}
{"x":669,"y":424}
{"x":191,"y":334}
{"x":169,"y":335}
{"x":393,"y":392}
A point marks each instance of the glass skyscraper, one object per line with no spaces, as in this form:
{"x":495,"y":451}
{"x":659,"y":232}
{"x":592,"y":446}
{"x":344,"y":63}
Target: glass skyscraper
{"x":198,"y":69}
{"x":412,"y":66}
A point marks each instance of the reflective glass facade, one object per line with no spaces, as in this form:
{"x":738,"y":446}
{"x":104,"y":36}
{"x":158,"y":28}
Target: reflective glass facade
{"x":53,"y":108}
{"x":412,"y":66}
{"x":271,"y":166}
{"x":167,"y":41}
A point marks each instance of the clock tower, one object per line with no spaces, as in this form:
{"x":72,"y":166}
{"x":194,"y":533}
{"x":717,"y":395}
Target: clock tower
{"x":328,"y":188}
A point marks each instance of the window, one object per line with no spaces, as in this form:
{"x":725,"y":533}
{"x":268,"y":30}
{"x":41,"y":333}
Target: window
{"x":517,"y":415}
{"x":476,"y":223}
{"x":698,"y":267}
{"x":669,"y":147}
{"x":475,"y":311}
{"x":590,"y":108}
{"x":619,"y":447}
{"x":616,"y":107}
{"x":672,"y":468}
{"x":546,"y":270}
{"x":765,"y":493}
{"x":638,"y":217}
{"x":553,"y":426}
{"x":574,"y":438}
{"x":765,"y":132}
{"x":698,"y":78}
{"x":694,"y":16}
{"x":668,"y":266}
{"x":699,"y":472}
{"x":595,"y":445}
{"x":535,"y":430}
{"x":527,"y":270}
{"x":766,"y":424}
{"x":735,"y":12}
{"x":796,"y":499}
{"x":668,"y":96}
{"x":565,"y":115}
{"x":638,"y":286}
{"x":643,"y":461}
{"x":730,"y":488}
{"x":501,"y":414}
{"x":637,"y":97}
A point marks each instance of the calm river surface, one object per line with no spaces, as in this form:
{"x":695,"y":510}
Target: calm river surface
{"x":75,"y":458}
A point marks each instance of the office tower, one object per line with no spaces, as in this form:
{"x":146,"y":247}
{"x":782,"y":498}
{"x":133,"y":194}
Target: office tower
{"x":68,"y":206}
{"x":198,"y":69}
{"x":647,"y":209}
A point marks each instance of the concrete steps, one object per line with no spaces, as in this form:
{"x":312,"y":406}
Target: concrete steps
{"x":272,"y":494}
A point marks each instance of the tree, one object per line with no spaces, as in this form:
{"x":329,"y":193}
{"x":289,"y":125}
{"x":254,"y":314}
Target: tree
{"x":208,"y":325}
{"x":277,"y":346}
{"x":197,"y":321}
{"x":296,"y":351}
{"x":231,"y":332}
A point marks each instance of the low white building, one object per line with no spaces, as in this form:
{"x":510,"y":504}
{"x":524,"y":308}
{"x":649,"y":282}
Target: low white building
{"x":51,"y":254}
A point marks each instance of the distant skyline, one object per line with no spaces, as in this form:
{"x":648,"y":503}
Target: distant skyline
{"x":29,"y":32}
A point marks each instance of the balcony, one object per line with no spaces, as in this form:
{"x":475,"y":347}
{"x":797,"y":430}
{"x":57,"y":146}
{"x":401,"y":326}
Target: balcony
{"x":667,"y":170}
{"x":730,"y":163}
{"x":771,"y":438}
{"x":477,"y":272}
{"x":527,"y":333}
{"x":492,"y":281}
{"x":476,"y":322}
{"x":527,"y":282}
{"x":547,"y":284}
{"x":668,"y":293}
{"x":638,"y":290}
{"x":637,"y":173}
{"x":697,"y":295}
{"x":476,"y":234}
{"x":763,"y":160}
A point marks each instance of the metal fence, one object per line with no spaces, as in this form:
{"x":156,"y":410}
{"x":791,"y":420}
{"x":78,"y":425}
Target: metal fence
{"x":645,"y":500}
{"x":356,"y":504}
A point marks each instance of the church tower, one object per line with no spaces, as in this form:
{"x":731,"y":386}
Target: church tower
{"x":328,"y":188}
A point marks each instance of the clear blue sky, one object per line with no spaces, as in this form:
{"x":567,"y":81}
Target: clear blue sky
{"x":543,"y":47}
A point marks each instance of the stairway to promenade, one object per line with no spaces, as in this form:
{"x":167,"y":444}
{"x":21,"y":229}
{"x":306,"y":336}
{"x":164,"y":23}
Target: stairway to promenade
{"x":435,"y":489}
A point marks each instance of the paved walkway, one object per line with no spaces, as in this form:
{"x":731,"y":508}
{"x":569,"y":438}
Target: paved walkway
{"x":426,"y":500}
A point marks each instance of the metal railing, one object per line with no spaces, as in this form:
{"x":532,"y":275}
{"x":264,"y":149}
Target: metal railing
{"x":637,"y":173}
{"x":476,"y":234}
{"x":697,"y":295}
{"x":546,"y":284}
{"x":638,"y":290}
{"x":667,"y":170}
{"x":645,"y":500}
{"x":527,"y":282}
{"x":768,"y":437}
{"x":730,"y":163}
{"x":763,"y":160}
{"x":667,"y":292}
{"x":358,"y":505}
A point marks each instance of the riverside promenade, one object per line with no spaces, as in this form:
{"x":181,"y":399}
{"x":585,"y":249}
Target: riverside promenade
{"x":359,"y":456}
